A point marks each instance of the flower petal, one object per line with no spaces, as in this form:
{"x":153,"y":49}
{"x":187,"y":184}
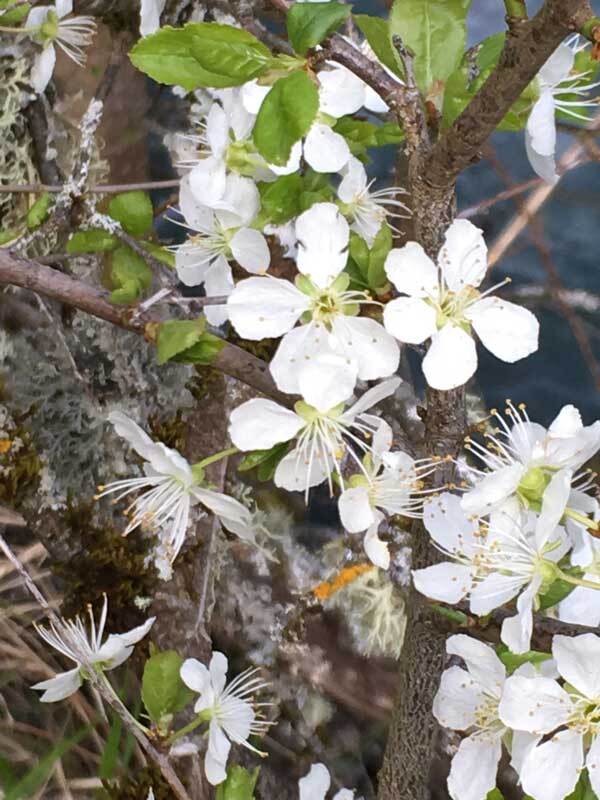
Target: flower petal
{"x":356,"y":512}
{"x":195,"y":675}
{"x":578,"y":661}
{"x":260,"y":424}
{"x":149,"y":16}
{"x":354,"y":181}
{"x":323,"y":236}
{"x":463,"y":257}
{"x":451,"y":359}
{"x":447,"y":582}
{"x":492,"y":490}
{"x":215,"y":761}
{"x":366,"y":342}
{"x":218,"y":282}
{"x":218,"y":672}
{"x":262,"y":308}
{"x":326,"y":381}
{"x":208,"y":180}
{"x":592,"y":763}
{"x":448,"y":525}
{"x":43,"y":67}
{"x":508,"y":331}
{"x":551,"y":770}
{"x":412,"y":271}
{"x":371,"y":397}
{"x":410,"y":319}
{"x":377,"y":551}
{"x":535,"y":705}
{"x":457,"y":700}
{"x":61,"y":686}
{"x":314,"y":786}
{"x":558,"y":66}
{"x":474,"y":768}
{"x":250,"y":249}
{"x":493,"y":591}
{"x":296,"y":475}
{"x":341,"y":92}
{"x":240,"y":202}
{"x":482,"y":662}
{"x":325,"y":150}
{"x":516,"y":631}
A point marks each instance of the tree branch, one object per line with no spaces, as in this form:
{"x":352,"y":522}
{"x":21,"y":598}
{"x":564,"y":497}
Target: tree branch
{"x":29,"y":274}
{"x":528,"y":46}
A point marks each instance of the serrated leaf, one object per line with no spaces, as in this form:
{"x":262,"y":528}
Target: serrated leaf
{"x":513,"y":661}
{"x":435,"y":32}
{"x":286,"y":115}
{"x":129,"y":274}
{"x":204,"y":351}
{"x":377,"y":33}
{"x":175,"y":336}
{"x":232,"y":54}
{"x":280,"y":200}
{"x":309,"y":23}
{"x":239,"y":784}
{"x":133,"y":210}
{"x":163,"y":691}
{"x":167,"y":57}
{"x":92,"y":241}
{"x":38,"y":211}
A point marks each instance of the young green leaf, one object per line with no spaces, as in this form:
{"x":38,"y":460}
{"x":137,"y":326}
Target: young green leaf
{"x":435,"y":31}
{"x":558,"y":591}
{"x":134,"y":211}
{"x":92,"y":241}
{"x":163,"y":691}
{"x":15,"y":15}
{"x":280,"y":199}
{"x":239,"y":784}
{"x":361,"y":135}
{"x":512,"y":661}
{"x":39,"y":211}
{"x":8,"y":235}
{"x":495,"y":794}
{"x":309,"y":23}
{"x":265,"y":460}
{"x":377,"y":32}
{"x":110,"y":753}
{"x":167,"y":57}
{"x":204,"y":351}
{"x":232,"y":54}
{"x":285,"y":116}
{"x":176,"y":336}
{"x":376,"y":277}
{"x":129,"y":274}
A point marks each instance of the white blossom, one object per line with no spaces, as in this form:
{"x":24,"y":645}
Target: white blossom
{"x":555,"y":80}
{"x":315,"y":785}
{"x":230,"y":709}
{"x":565,"y":720}
{"x":76,"y":643}
{"x":321,"y":436}
{"x":443,"y":304}
{"x":53,"y":25}
{"x":170,"y":487}
{"x":150,"y":12}
{"x":268,"y":307}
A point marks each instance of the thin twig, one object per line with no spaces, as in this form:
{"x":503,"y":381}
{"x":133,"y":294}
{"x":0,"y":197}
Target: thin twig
{"x":100,"y":188}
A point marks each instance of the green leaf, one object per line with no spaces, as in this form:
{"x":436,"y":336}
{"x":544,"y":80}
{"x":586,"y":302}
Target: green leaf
{"x":15,"y":15}
{"x":309,"y":23}
{"x":361,"y":135}
{"x":93,"y":241}
{"x":239,"y":784}
{"x":557,"y":592}
{"x":37,"y":776}
{"x":175,"y":336}
{"x":285,"y":116}
{"x":206,"y":349}
{"x":129,"y":275}
{"x":280,"y":200}
{"x":583,"y":790}
{"x":134,"y":211}
{"x":38,"y":212}
{"x":495,"y":794}
{"x":377,"y":32}
{"x":435,"y":31}
{"x":512,"y":661}
{"x":317,"y":189}
{"x":8,"y":235}
{"x":163,"y":691}
{"x":110,"y":754}
{"x":232,"y":55}
{"x":265,"y":460}
{"x":376,"y":277}
{"x":359,"y":252}
{"x":161,"y":253}
{"x":7,"y":776}
{"x":167,"y":57}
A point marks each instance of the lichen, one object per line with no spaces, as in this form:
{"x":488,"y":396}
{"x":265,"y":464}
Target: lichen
{"x":20,"y":464}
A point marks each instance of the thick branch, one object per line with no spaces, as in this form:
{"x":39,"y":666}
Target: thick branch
{"x":529,"y":43}
{"x":29,"y":274}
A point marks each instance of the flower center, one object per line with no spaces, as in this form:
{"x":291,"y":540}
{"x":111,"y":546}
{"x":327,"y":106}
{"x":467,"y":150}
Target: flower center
{"x":49,"y":28}
{"x":486,"y":716}
{"x":331,"y":302}
{"x":452,"y":305}
{"x":586,"y":713}
{"x":532,"y":487}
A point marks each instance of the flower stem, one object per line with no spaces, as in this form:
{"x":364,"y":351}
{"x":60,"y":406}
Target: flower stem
{"x":577,"y":581}
{"x":516,"y":9}
{"x":588,"y":523}
{"x":8,"y":29}
{"x":191,"y":726}
{"x":216,"y":457}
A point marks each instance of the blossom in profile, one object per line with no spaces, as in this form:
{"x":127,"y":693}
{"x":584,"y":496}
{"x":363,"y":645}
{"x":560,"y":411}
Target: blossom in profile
{"x":230,"y":709}
{"x":315,"y":785}
{"x":86,"y":648}
{"x":150,"y":12}
{"x":442,"y":303}
{"x":52,"y":25}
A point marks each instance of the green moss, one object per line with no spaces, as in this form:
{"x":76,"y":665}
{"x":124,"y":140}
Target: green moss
{"x":20,"y":466}
{"x":205,"y":383}
{"x":265,"y":348}
{"x":171,"y":432}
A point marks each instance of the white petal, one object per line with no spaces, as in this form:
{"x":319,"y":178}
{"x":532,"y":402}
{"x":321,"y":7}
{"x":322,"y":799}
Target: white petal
{"x":558,"y":66}
{"x":323,"y":236}
{"x":368,"y":343}
{"x":218,"y":672}
{"x":374,"y":102}
{"x":344,"y":794}
{"x":578,"y":661}
{"x":64,"y":7}
{"x":457,"y":700}
{"x":197,"y":215}
{"x":592,"y":763}
{"x":119,"y":646}
{"x":474,"y":768}
{"x":253,"y":96}
{"x":508,"y":331}
{"x":240,"y":202}
{"x":325,"y":150}
{"x":43,"y":67}
{"x":293,"y":473}
{"x":150,"y":16}
{"x":341,"y":92}
{"x":207,"y":181}
{"x":493,"y":591}
{"x":535,"y":705}
{"x":412,"y":271}
{"x":544,"y":166}
{"x":250,"y":250}
{"x":377,"y":551}
{"x":451,"y":359}
{"x":354,"y":181}
{"x":447,"y":582}
{"x":327,"y":381}
{"x":492,"y":490}
{"x":371,"y":397}
{"x":516,"y":631}
{"x":410,"y":319}
{"x":567,"y":423}
{"x":261,"y":308}
{"x":137,"y":438}
{"x":259,"y":424}
{"x":217,"y":130}
{"x":541,"y":128}
{"x":481,"y":660}
{"x":521,"y":745}
{"x":195,"y":675}
{"x":301,"y":347}
{"x":61,"y":686}
{"x":448,"y":525}
{"x":551,"y":770}
{"x":293,"y":162}
{"x":192,"y":263}
{"x":582,"y":605}
{"x":314,"y":786}
{"x":463,"y":257}
{"x":355,"y":509}
{"x":37,"y":16}
{"x":554,"y":503}
{"x":218,"y":282}
{"x":382,"y":441}
{"x":215,"y":761}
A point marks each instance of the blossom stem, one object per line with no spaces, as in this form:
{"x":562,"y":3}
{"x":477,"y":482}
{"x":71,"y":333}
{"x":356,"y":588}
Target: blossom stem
{"x":216,"y":457}
{"x":451,"y":613}
{"x":191,"y":726}
{"x":122,"y":705}
{"x":8,"y":29}
{"x":516,"y":9}
{"x":591,"y":29}
{"x":589,"y":524}
{"x":577,"y":581}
